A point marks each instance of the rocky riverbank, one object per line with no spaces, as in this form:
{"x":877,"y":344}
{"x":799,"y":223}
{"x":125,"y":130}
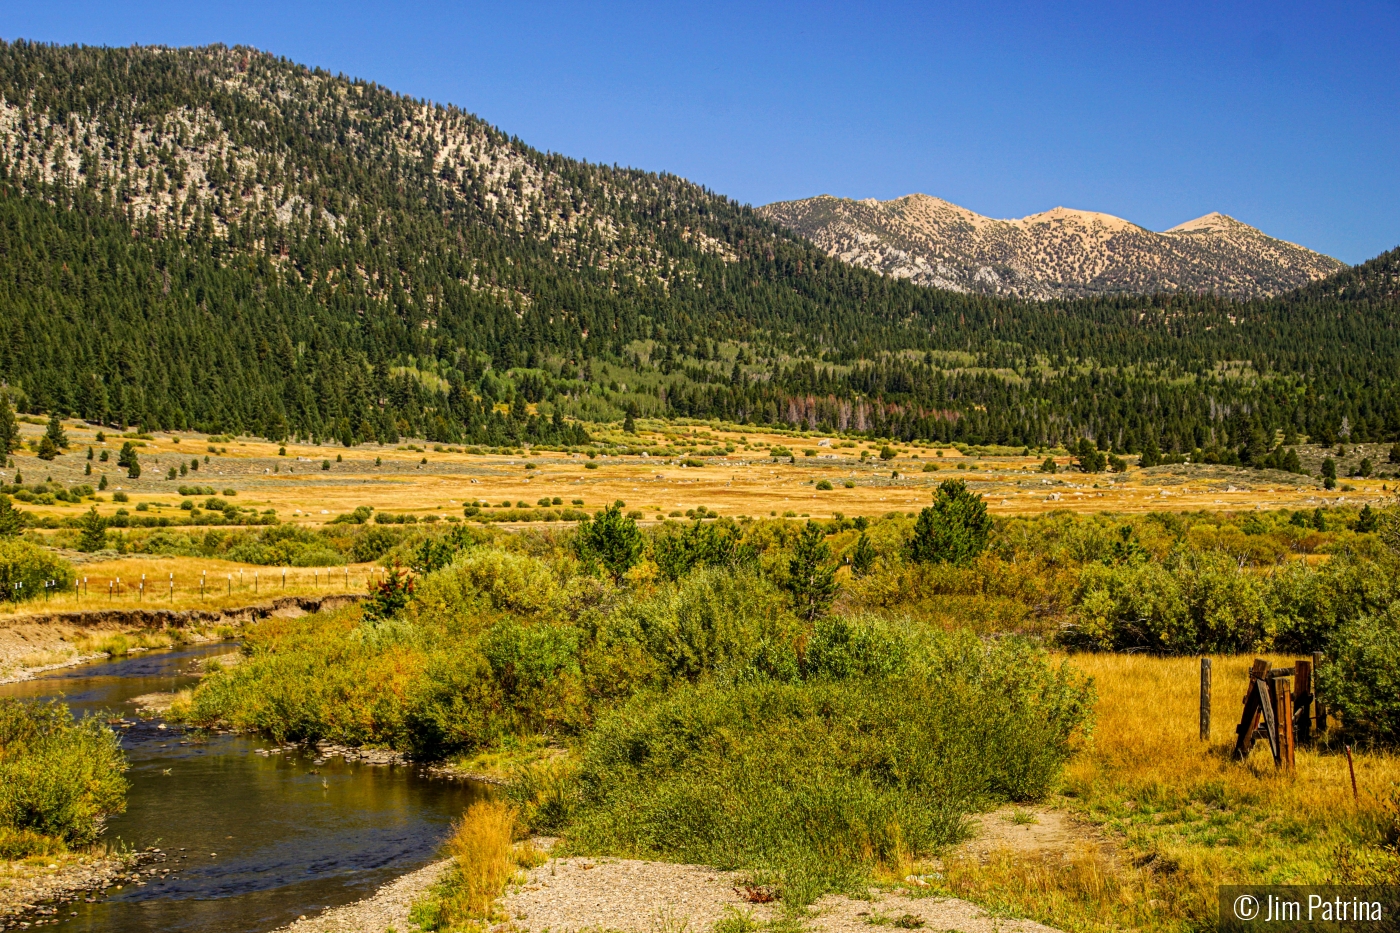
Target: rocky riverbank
{"x":572,"y":895}
{"x":35,"y":891}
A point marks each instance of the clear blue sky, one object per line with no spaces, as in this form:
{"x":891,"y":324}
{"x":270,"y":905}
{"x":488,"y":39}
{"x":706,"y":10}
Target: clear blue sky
{"x":1284,"y":116}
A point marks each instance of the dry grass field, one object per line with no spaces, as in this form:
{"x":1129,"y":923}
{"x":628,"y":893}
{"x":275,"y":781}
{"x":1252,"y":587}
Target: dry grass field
{"x":724,"y":469}
{"x":1165,"y":817}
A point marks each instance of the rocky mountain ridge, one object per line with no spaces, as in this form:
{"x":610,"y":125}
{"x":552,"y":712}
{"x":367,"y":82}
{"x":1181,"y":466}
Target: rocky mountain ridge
{"x":1060,"y":253}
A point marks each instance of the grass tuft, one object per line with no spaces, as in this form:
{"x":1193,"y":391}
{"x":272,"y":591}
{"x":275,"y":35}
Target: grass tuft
{"x":484,"y":859}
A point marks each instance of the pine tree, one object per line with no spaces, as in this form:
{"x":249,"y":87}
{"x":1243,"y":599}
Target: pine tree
{"x":1329,"y":473}
{"x":954,"y":529}
{"x":48,"y":450}
{"x":863,"y":556}
{"x":11,"y":522}
{"x":1151,"y":454}
{"x":54,"y":432}
{"x":1049,"y":466}
{"x":811,"y":579}
{"x":128,"y":459}
{"x":93,"y":531}
{"x":611,"y":539}
{"x":1091,"y":459}
{"x":9,"y":427}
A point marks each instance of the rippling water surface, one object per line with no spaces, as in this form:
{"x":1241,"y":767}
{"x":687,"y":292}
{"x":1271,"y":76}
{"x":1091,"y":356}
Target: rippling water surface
{"x":257,"y":840}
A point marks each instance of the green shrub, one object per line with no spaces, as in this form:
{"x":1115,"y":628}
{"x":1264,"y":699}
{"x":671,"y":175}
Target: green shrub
{"x":1360,"y":678}
{"x":844,"y":647}
{"x":373,"y":542}
{"x":812,"y":784}
{"x":486,"y":579}
{"x":735,"y":625}
{"x":321,"y":677}
{"x":32,"y":566}
{"x":716,"y":544}
{"x":58,"y":778}
{"x":536,"y":668}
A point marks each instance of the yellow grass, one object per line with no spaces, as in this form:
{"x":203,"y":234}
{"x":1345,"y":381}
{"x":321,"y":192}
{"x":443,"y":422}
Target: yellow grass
{"x":744,"y":482}
{"x":193,"y":583}
{"x":1173,"y":817}
{"x":484,"y":859}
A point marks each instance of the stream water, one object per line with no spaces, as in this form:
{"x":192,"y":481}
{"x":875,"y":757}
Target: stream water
{"x":258,"y":840}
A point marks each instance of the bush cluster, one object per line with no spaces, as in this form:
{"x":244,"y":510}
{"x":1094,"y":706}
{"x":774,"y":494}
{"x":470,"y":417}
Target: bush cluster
{"x":25,"y":568}
{"x":59,"y":779}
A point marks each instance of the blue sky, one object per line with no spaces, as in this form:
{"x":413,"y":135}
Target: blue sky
{"x":1284,"y":116}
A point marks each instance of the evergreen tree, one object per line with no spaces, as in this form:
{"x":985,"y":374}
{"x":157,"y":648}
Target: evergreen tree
{"x":611,"y":539}
{"x":1329,"y":473}
{"x":1151,"y":454}
{"x":1366,"y":520}
{"x":1394,"y":450}
{"x":93,"y":531}
{"x":811,"y":579}
{"x":863,"y":556}
{"x":11,"y":522}
{"x":48,"y":450}
{"x":1091,"y":459}
{"x":9,"y":427}
{"x":1049,"y":466}
{"x":954,"y":529}
{"x":55,"y":433}
{"x":129,"y":460}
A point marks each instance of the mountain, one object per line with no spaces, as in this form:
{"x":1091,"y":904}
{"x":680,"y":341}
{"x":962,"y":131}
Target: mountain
{"x":221,"y":240}
{"x":1060,"y":253}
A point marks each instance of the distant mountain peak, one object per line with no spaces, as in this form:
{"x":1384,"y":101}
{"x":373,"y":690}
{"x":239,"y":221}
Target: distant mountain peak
{"x":1059,"y":253}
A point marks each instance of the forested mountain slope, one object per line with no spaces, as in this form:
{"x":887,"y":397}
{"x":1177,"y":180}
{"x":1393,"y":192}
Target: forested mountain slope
{"x":221,"y":240}
{"x":1060,"y":253}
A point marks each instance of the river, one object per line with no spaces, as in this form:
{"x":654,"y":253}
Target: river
{"x":258,"y":839}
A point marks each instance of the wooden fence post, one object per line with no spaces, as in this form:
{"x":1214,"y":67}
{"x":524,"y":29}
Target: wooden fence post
{"x":1319,"y":708}
{"x":1302,"y":700}
{"x":1283,"y":696}
{"x":1254,"y":709}
{"x":1205,"y":699}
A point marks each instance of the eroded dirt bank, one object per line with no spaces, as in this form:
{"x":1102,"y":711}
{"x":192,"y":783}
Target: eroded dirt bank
{"x":34,"y":643}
